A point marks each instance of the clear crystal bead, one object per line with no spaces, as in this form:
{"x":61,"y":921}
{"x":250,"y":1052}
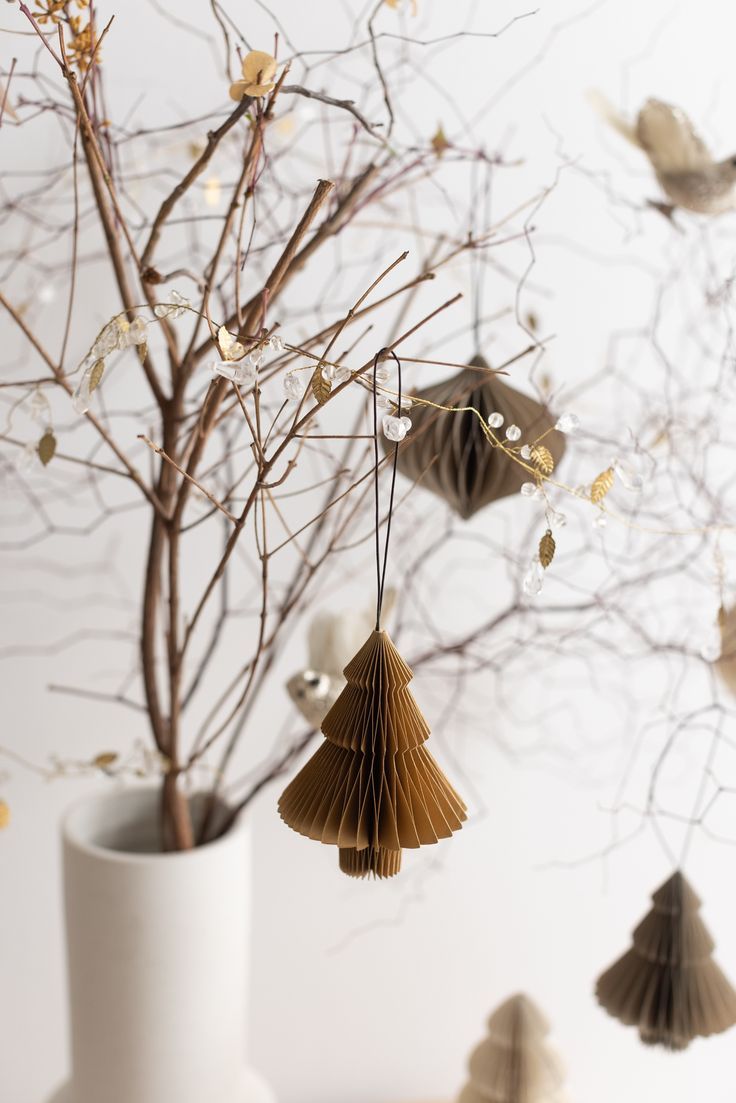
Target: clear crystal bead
{"x":395,"y":428}
{"x":534,"y":578}
{"x":384,"y":402}
{"x":82,"y":395}
{"x":341,"y":376}
{"x":567,"y":423}
{"x":513,"y":432}
{"x":495,"y":420}
{"x":256,"y":357}
{"x":39,"y":407}
{"x":26,"y":457}
{"x":276,"y":342}
{"x":240,"y":372}
{"x":294,"y":385}
{"x":381,"y":375}
{"x":137,"y":334}
{"x":525,"y":452}
{"x":529,"y":490}
{"x":554,"y":517}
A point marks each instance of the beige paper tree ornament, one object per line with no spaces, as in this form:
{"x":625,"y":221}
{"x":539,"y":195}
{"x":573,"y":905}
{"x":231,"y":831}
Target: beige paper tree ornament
{"x":514,"y":1064}
{"x":668,"y":985}
{"x":726,"y":663}
{"x":449,"y":454}
{"x":373,"y":789}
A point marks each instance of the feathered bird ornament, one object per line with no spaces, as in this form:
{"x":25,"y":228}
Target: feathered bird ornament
{"x":684,"y":167}
{"x":332,"y":640}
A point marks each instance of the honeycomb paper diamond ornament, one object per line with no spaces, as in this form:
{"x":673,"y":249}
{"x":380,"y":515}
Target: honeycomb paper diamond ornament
{"x":448,"y":452}
{"x":373,"y":789}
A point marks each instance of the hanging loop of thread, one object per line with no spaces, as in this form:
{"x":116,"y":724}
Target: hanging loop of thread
{"x":381,"y":562}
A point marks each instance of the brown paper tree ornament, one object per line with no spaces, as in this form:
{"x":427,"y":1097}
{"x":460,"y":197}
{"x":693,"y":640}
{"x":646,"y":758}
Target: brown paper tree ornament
{"x":449,"y":454}
{"x":726,"y":663}
{"x":373,"y":789}
{"x":668,"y":984}
{"x":514,"y":1064}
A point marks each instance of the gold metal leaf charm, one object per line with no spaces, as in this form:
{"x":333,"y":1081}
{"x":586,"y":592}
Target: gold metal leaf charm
{"x":321,"y":387}
{"x":4,"y":814}
{"x":601,"y":485}
{"x":95,"y":375}
{"x":142,"y":351}
{"x":547,"y":548}
{"x":105,"y":760}
{"x":542,"y":458}
{"x":47,"y":447}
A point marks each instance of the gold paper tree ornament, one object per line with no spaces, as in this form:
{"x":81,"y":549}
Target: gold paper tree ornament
{"x":667,"y":984}
{"x":449,"y":454}
{"x":514,"y":1064}
{"x":373,"y":789}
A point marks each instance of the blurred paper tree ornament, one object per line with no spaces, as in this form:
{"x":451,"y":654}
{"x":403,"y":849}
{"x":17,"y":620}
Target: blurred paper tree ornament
{"x":726,"y":662}
{"x":514,"y":1064}
{"x":373,"y":789}
{"x":668,"y":985}
{"x":449,"y":453}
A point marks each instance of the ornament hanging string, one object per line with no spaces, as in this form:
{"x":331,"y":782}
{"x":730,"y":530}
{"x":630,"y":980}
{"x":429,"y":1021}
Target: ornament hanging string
{"x":381,"y":564}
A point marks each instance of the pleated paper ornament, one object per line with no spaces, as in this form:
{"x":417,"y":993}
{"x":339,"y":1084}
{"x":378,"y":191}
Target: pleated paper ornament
{"x":514,"y":1064}
{"x":668,"y":985}
{"x":373,"y":789}
{"x":726,"y":663}
{"x":449,"y":454}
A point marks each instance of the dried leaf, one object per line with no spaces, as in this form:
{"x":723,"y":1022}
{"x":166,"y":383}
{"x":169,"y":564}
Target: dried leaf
{"x":601,"y":485}
{"x":542,"y":458}
{"x":439,"y":142}
{"x":321,"y":387}
{"x":104,"y":760}
{"x":95,"y":375}
{"x":47,"y":447}
{"x":141,"y":350}
{"x":547,"y":548}
{"x":4,"y":814}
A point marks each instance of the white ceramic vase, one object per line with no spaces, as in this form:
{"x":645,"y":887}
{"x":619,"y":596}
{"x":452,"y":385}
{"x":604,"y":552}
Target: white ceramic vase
{"x":157,"y":949}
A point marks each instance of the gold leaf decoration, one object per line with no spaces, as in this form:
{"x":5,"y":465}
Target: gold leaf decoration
{"x":4,"y":814}
{"x":259,"y":69}
{"x":105,"y":760}
{"x":229,"y":347}
{"x":542,"y":458}
{"x":47,"y":447}
{"x":439,"y":141}
{"x":547,"y":548}
{"x":321,"y":387}
{"x":142,"y":350}
{"x":601,"y":485}
{"x":95,"y":375}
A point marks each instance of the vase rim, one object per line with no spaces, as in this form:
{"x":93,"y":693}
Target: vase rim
{"x":88,"y":820}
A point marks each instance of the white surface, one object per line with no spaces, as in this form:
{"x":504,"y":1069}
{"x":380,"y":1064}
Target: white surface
{"x":158,"y":966}
{"x":362,"y":992}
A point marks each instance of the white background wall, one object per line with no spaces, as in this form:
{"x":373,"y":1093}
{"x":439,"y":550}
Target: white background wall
{"x":373,"y":993}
